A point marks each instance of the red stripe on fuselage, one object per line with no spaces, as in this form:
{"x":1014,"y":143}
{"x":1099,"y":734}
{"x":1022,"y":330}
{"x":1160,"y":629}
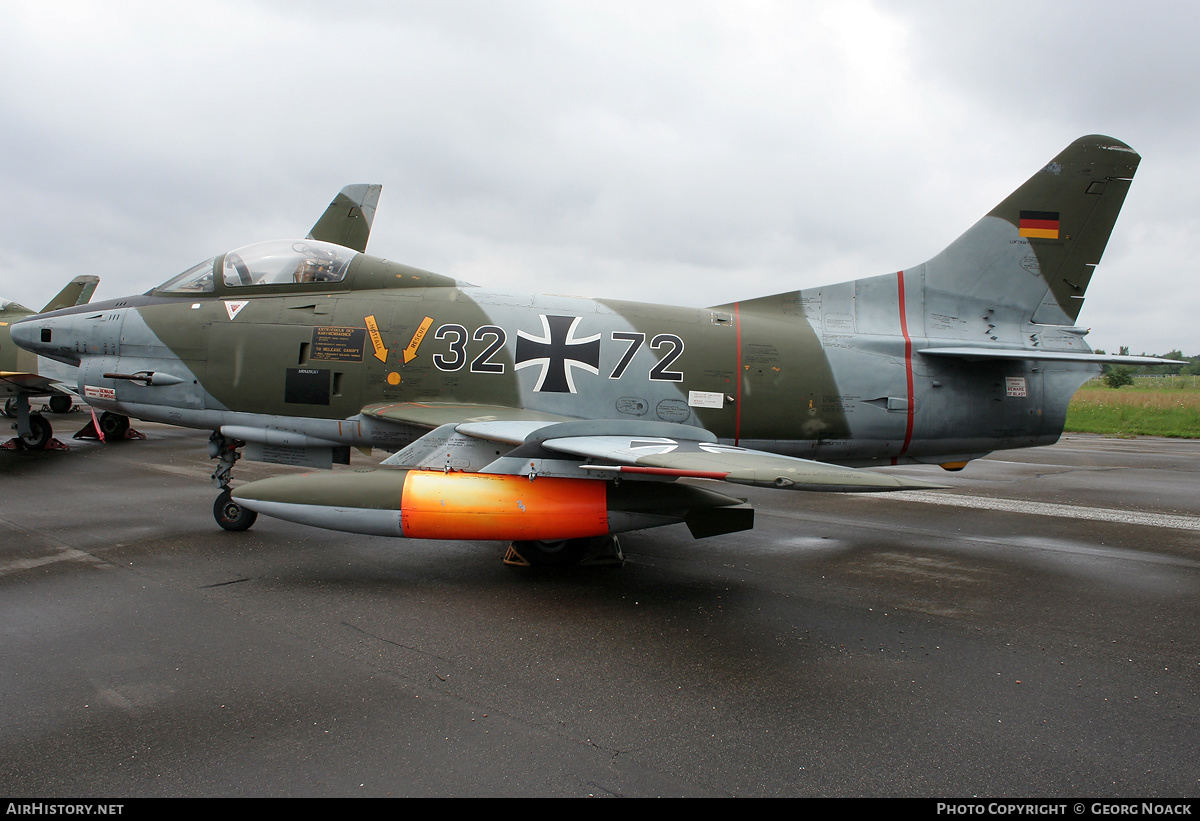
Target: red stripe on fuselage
{"x":737,"y":409}
{"x":908,"y":368}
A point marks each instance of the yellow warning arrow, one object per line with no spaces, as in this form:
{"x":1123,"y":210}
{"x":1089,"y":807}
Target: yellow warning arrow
{"x":410,"y":353}
{"x":381,"y":352}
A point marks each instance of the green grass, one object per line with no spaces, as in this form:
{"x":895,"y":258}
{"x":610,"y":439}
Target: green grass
{"x":1136,"y":411}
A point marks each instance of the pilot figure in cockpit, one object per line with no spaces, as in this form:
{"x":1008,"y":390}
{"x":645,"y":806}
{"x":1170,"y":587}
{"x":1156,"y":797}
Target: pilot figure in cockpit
{"x":311,"y":269}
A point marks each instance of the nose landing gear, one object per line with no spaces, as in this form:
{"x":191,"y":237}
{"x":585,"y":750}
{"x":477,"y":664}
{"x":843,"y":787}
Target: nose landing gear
{"x":228,"y":513}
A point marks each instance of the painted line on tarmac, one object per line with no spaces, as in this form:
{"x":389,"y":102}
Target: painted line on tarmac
{"x":1101,"y":514}
{"x":64,"y":552}
{"x":68,"y":555}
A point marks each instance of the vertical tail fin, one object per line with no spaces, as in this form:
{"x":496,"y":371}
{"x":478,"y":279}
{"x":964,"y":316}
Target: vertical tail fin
{"x":1036,"y":250}
{"x":347,"y":220}
{"x":77,"y":292}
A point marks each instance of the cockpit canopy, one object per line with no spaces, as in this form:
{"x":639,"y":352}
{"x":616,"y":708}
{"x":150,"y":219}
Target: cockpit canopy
{"x":278,"y":262}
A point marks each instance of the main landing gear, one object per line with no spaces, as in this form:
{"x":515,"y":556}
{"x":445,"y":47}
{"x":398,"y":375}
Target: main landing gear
{"x":33,"y":430}
{"x":598,"y":550}
{"x":109,"y":427}
{"x":228,"y":513}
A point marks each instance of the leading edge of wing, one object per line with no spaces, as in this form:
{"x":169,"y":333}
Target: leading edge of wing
{"x":29,"y":384}
{"x":610,"y":448}
{"x":436,"y":414}
{"x":681,"y":458}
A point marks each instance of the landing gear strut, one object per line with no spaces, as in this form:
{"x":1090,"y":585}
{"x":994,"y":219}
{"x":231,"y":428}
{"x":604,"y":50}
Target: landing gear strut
{"x":598,"y":550}
{"x":33,"y":431}
{"x":228,"y":513}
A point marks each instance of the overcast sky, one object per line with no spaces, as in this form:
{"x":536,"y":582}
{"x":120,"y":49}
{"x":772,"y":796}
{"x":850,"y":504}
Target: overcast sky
{"x":685,"y":152}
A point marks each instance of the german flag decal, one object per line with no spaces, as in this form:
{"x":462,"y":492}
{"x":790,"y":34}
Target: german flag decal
{"x":1039,"y":224}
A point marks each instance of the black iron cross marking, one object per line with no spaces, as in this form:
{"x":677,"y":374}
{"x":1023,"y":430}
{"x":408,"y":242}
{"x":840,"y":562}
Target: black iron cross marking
{"x":559,"y":353}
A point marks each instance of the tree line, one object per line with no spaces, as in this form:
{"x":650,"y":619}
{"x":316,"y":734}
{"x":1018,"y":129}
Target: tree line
{"x":1116,"y":376}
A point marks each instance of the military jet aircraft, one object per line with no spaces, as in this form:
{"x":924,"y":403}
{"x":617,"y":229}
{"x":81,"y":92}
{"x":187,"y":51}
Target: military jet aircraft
{"x":19,"y":377}
{"x":554,"y":422}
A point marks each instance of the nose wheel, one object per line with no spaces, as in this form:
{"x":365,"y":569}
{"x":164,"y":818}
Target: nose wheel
{"x":230,"y":515}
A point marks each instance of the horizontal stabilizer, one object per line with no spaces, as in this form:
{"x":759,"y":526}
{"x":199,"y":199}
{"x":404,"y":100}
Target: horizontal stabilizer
{"x":976,"y":354}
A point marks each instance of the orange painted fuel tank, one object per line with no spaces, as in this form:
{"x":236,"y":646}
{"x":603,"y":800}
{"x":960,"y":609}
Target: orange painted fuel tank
{"x":482,"y":506}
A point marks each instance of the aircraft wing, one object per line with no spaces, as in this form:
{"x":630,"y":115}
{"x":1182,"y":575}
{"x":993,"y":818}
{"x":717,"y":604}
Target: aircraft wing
{"x":502,"y":440}
{"x":29,"y":384}
{"x":347,"y":220}
{"x":507,"y":474}
{"x":434,"y":414}
{"x":632,"y":457}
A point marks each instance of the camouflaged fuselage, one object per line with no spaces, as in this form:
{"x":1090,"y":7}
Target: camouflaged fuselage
{"x":829,"y":374}
{"x":972,"y":351}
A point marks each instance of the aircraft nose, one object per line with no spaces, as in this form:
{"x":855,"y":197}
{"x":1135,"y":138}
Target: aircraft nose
{"x":28,"y":333}
{"x":46,"y":336}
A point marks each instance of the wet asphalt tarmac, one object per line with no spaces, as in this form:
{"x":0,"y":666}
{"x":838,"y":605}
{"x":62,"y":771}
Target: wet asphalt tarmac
{"x":1035,"y":631}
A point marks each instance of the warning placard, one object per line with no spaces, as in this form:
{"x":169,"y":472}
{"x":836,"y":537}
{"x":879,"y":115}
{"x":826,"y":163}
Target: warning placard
{"x":1014,"y":386}
{"x":338,"y":344}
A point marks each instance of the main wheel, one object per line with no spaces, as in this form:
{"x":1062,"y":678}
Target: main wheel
{"x":10,"y":407}
{"x":59,"y":404}
{"x":230,"y":515}
{"x":39,"y":433}
{"x":558,"y":553}
{"x":113,"y":425}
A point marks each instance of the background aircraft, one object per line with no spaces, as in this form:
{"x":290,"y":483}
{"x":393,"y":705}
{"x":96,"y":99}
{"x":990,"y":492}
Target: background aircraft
{"x":19,"y":377}
{"x":556,"y":421}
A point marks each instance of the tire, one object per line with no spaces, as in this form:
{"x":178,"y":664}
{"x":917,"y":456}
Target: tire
{"x":10,"y":407}
{"x":230,"y":515}
{"x":113,"y":425}
{"x":40,"y":433}
{"x":60,"y":404}
{"x":559,"y":553}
